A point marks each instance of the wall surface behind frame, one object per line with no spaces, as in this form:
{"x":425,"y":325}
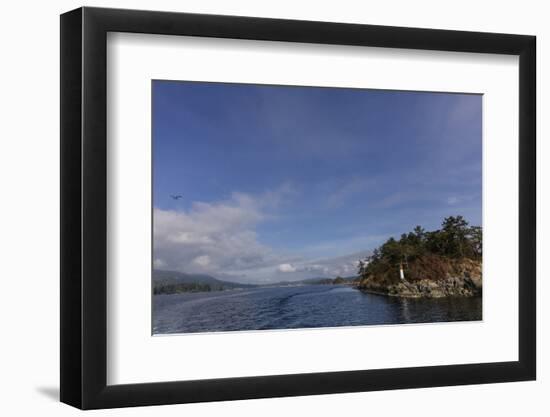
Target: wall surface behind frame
{"x":29,"y":175}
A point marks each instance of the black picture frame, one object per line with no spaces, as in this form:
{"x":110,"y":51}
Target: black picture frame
{"x":84,"y":207}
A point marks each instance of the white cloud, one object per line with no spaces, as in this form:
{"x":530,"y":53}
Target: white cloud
{"x":331,"y":267}
{"x":322,"y":268}
{"x":203,"y":260}
{"x":286,"y":268}
{"x":217,"y":238}
{"x":159,"y":263}
{"x":346,"y":191}
{"x":452,"y":200}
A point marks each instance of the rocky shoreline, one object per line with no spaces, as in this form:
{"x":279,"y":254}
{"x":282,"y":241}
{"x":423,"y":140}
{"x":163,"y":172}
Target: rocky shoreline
{"x":465,"y":280}
{"x":449,"y":287}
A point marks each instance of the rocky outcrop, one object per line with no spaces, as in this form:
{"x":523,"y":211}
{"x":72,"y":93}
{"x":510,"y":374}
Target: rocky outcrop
{"x":462,"y":278}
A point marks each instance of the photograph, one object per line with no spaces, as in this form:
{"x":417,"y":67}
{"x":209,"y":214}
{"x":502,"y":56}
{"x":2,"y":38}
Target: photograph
{"x":294,"y":207}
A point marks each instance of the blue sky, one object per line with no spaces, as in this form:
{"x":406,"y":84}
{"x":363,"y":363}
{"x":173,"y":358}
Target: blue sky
{"x":285,"y":183}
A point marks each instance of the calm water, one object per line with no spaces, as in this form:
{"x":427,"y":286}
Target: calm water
{"x":300,"y":307}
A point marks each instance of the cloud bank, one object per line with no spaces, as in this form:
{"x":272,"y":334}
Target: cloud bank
{"x":220,"y":239}
{"x":211,"y":237}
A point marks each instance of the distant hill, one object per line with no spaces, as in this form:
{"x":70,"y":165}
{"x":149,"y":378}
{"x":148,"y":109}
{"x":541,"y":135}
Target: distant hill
{"x":320,"y":281}
{"x":171,"y":282}
{"x":174,"y":282}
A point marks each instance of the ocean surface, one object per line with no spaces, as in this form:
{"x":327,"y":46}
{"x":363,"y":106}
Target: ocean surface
{"x":299,"y":307}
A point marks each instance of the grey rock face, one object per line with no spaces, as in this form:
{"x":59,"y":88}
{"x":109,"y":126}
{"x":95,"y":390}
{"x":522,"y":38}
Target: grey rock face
{"x":464,"y":281}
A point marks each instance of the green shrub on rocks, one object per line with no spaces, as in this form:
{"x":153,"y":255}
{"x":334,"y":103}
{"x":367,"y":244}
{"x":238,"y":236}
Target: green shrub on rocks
{"x":439,"y":263}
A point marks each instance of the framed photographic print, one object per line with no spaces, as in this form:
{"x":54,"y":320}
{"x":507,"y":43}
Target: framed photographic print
{"x":258,"y":207}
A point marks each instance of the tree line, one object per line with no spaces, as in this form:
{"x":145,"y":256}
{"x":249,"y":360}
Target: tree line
{"x":177,"y":288}
{"x":456,"y":240}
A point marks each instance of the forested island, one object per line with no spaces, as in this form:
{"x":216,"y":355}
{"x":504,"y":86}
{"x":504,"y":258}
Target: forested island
{"x":440,"y":263}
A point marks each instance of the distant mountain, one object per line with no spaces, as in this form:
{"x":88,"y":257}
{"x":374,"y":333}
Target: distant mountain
{"x":315,"y":281}
{"x":337,"y":280}
{"x":318,"y":281}
{"x":170,"y":282}
{"x":173,"y":282}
